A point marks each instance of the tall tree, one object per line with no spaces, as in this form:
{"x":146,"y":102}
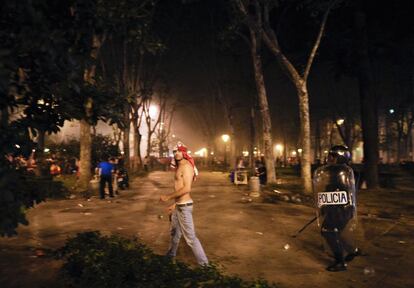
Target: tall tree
{"x":369,"y":108}
{"x":254,"y":23}
{"x":262,"y":10}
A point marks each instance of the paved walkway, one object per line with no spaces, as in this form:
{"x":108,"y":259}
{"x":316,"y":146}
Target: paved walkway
{"x":248,"y":238}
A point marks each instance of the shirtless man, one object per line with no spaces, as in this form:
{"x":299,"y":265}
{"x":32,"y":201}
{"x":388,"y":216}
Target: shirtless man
{"x":182,"y":210}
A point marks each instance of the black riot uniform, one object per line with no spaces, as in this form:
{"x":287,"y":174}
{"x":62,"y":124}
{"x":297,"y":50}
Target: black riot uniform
{"x":335,"y":196}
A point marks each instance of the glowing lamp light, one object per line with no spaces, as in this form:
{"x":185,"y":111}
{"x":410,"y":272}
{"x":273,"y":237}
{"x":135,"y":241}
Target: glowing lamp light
{"x":300,"y":150}
{"x":17,"y":146}
{"x":245,"y":153}
{"x":225,"y":138}
{"x":153,"y":111}
{"x":294,"y":153}
{"x":340,"y":121}
{"x":391,"y":111}
{"x":201,"y":153}
{"x":46,"y":150}
{"x":279,"y":147}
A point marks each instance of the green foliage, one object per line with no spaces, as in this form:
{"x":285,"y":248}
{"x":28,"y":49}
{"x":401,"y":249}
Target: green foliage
{"x":103,"y":146}
{"x":20,"y":191}
{"x":93,"y":260}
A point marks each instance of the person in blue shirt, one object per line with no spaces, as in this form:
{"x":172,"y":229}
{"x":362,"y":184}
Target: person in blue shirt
{"x":105,"y":172}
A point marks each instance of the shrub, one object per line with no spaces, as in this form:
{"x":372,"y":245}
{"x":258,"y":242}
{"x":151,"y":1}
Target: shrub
{"x":93,"y":260}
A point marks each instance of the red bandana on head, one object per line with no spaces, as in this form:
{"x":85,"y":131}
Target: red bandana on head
{"x":182,"y":148}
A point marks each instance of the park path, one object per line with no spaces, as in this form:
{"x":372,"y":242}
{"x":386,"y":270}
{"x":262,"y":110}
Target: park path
{"x":242,"y":235}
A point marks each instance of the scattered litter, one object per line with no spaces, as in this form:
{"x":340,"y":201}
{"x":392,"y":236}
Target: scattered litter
{"x":109,"y":201}
{"x":87,"y":213}
{"x":212,"y":196}
{"x":160,"y":216}
{"x":80,"y":205}
{"x":277,"y":191}
{"x":89,"y":200}
{"x":402,"y":242}
{"x":260,"y":233}
{"x":119,"y":228}
{"x":246,"y":200}
{"x":369,"y":271}
{"x":72,"y":196}
{"x":285,"y":198}
{"x":286,"y":247}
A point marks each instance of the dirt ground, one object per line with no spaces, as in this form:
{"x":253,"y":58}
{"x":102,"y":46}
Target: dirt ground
{"x":249,"y":238}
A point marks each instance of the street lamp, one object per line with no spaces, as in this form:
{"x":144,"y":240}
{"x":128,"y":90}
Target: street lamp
{"x":225,"y":139}
{"x":340,"y":122}
{"x":153,"y":111}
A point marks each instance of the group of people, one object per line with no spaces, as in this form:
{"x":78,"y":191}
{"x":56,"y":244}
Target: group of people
{"x":334,"y":186}
{"x":51,"y":165}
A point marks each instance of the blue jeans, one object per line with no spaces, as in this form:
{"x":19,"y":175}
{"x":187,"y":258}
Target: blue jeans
{"x":182,"y":225}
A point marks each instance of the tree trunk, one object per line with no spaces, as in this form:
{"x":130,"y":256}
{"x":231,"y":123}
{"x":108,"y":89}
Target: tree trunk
{"x":252,"y":138}
{"x":368,"y":103}
{"x":125,"y":144}
{"x":264,"y":109}
{"x":137,"y":143}
{"x":41,"y":135}
{"x":305,"y":166}
{"x":149,"y":143}
{"x":85,"y":125}
{"x":85,"y":154}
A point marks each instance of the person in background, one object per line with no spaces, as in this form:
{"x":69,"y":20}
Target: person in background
{"x":105,"y":170}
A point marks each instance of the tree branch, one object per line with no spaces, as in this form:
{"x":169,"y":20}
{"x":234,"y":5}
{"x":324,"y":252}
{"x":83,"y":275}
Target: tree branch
{"x":318,"y":41}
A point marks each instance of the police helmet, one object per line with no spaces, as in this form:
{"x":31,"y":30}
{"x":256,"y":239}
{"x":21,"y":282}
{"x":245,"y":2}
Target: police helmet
{"x":341,"y":154}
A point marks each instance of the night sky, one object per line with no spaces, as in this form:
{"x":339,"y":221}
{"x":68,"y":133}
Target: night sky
{"x":197,"y":39}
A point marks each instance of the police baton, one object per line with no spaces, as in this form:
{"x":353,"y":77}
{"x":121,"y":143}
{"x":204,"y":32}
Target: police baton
{"x":304,"y":227}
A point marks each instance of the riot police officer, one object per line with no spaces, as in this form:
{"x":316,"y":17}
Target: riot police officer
{"x":335,"y":196}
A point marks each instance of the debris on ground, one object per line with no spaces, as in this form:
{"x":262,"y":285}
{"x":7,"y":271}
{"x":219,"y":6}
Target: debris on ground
{"x":260,"y":233}
{"x":286,"y":247}
{"x":368,"y":271}
{"x":80,"y":205}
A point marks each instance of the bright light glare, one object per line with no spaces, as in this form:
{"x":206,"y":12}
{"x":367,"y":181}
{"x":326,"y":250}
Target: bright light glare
{"x":201,"y":153}
{"x":279,"y":147}
{"x":153,"y":111}
{"x":225,"y":138}
{"x":340,"y":121}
